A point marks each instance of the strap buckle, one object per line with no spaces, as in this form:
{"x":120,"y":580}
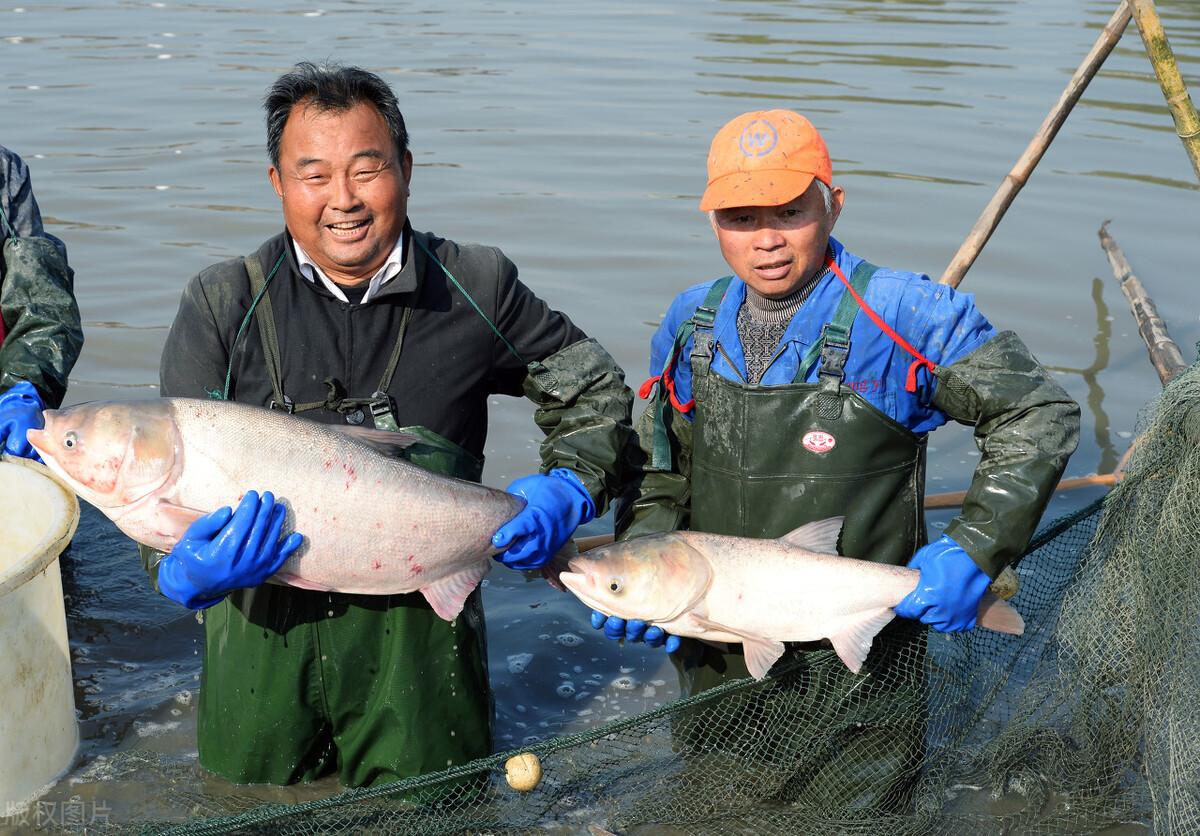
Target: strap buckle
{"x":702,"y":346}
{"x":383,"y":411}
{"x":288,"y":405}
{"x":381,"y":403}
{"x":835,"y":349}
{"x":704,"y":317}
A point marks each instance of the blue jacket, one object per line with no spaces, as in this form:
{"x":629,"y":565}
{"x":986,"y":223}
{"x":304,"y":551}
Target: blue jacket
{"x":940,"y":323}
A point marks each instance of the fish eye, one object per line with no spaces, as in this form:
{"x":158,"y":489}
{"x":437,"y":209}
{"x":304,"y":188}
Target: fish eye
{"x":615,"y":585}
{"x":70,"y":440}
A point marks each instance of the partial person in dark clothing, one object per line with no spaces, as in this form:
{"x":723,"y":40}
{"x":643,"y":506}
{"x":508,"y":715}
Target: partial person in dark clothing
{"x":352,"y":316}
{"x":40,"y":332}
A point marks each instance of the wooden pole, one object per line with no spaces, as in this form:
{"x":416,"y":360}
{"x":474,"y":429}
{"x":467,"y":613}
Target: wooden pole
{"x":1187,"y":122}
{"x":1164,"y":352}
{"x":1016,"y":179}
{"x":951,"y":499}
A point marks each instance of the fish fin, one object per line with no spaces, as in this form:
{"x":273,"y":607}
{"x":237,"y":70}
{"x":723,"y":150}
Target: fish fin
{"x":172,"y":520}
{"x":853,"y":643}
{"x":761,"y":653}
{"x":382,"y":441}
{"x":997,"y":614}
{"x":448,"y":595}
{"x":821,"y":536}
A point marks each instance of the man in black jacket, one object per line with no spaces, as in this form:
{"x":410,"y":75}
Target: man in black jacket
{"x":352,"y":316}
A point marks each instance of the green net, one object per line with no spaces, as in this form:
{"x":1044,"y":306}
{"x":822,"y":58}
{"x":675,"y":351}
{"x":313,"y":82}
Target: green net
{"x":1085,"y":723}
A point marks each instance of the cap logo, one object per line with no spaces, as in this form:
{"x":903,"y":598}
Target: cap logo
{"x":759,"y":139}
{"x":818,"y":442}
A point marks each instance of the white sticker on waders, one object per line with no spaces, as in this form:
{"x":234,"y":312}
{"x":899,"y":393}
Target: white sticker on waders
{"x":818,"y":442}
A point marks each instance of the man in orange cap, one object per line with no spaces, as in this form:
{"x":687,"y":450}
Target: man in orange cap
{"x":802,"y":387}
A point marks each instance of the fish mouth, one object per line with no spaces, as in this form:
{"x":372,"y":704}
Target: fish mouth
{"x":577,"y":582}
{"x":37,"y":439}
{"x":577,"y":578}
{"x":580,"y":584}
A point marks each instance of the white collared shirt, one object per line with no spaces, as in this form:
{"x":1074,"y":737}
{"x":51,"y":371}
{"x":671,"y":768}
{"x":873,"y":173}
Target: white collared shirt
{"x":390,"y":269}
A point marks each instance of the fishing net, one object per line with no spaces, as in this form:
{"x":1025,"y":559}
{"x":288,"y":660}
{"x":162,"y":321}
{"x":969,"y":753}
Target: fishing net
{"x":1087,"y":722}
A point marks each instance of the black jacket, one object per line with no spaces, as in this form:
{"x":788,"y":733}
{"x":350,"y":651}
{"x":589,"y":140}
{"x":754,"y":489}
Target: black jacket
{"x":451,"y":361}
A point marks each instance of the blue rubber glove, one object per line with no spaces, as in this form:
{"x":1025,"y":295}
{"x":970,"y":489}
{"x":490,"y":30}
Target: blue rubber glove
{"x":227,"y":550}
{"x":948,"y":592}
{"x":20,"y":410}
{"x":555,"y":505}
{"x":634,"y":630}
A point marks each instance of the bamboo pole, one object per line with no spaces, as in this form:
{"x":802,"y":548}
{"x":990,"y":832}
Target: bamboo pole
{"x":1187,"y":121}
{"x":1164,"y":352}
{"x":1015,"y":180}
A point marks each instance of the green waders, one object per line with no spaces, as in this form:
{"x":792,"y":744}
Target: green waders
{"x":297,"y":684}
{"x":850,"y":741}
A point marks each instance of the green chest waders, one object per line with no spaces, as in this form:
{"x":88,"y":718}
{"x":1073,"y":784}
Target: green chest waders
{"x":766,"y":460}
{"x":297,"y":684}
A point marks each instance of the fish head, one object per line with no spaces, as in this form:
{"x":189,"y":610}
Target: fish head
{"x":111,"y":453}
{"x":655,"y":578}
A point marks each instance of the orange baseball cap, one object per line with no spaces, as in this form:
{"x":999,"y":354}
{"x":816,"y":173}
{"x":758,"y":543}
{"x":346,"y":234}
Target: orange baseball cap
{"x":764,"y":158}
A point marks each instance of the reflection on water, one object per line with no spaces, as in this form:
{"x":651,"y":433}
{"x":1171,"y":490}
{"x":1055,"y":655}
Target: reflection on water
{"x":574,"y":137}
{"x":1095,"y":394}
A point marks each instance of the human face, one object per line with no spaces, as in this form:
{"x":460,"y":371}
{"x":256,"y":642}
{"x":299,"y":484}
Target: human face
{"x":776,"y":249}
{"x":344,"y":190}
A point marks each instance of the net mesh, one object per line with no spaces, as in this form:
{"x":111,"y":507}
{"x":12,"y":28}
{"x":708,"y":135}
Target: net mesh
{"x":1087,"y":722}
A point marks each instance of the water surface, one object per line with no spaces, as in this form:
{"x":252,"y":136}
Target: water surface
{"x":574,"y":136}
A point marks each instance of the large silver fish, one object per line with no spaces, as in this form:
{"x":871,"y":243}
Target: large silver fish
{"x":759,"y":593}
{"x":372,"y":523}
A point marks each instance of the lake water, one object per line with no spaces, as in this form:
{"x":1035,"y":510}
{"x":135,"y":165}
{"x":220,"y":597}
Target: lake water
{"x":573,"y":136}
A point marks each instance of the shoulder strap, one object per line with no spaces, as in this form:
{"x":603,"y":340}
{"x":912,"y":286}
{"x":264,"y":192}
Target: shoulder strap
{"x":836,"y":333}
{"x":417,"y":240}
{"x":702,"y":318}
{"x":702,"y":330}
{"x":660,"y":389}
{"x":258,"y":288}
{"x":266,"y":325}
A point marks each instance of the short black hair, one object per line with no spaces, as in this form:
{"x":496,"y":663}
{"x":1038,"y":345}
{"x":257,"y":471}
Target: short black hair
{"x":330,"y":87}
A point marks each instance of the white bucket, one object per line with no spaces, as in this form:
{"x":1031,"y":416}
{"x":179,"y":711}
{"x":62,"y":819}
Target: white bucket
{"x":38,"y":734}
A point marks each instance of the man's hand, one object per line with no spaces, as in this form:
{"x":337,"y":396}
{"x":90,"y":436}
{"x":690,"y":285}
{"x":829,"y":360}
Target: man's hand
{"x":634,"y":630}
{"x":555,"y":505}
{"x":227,"y":550}
{"x":20,"y":410}
{"x":948,"y":591}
